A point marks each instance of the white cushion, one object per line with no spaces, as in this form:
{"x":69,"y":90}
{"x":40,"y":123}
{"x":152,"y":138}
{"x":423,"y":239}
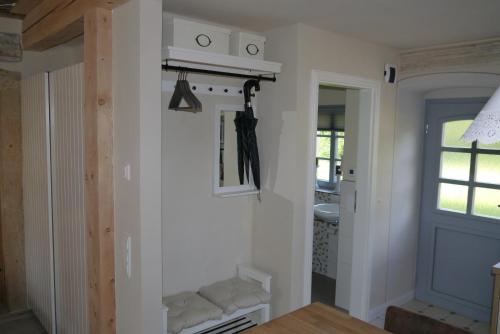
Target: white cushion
{"x":235,"y":293}
{"x":188,"y":309}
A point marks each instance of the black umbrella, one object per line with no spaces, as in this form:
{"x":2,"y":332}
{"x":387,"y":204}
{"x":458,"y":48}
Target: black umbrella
{"x":248,"y":152}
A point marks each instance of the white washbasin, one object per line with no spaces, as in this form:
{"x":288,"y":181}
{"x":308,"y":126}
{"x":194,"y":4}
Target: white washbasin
{"x":328,"y":212}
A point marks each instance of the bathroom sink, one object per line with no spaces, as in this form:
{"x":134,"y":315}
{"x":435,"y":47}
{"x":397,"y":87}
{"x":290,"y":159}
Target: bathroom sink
{"x":328,"y":212}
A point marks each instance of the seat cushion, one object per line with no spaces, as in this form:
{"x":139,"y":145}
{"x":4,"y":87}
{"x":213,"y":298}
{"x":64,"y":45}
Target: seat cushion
{"x":235,"y":293}
{"x":188,"y":309}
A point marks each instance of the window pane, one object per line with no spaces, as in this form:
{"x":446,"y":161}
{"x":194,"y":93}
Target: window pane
{"x":324,"y":133}
{"x":323,"y":170}
{"x":488,"y":168}
{"x":486,"y":202}
{"x":323,"y":147}
{"x":455,"y":166}
{"x":340,"y":148}
{"x":453,"y":132}
{"x":495,"y":146}
{"x":452,"y":197}
{"x":340,"y":134}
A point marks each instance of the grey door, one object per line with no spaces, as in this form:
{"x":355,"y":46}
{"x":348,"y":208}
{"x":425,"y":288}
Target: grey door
{"x":460,"y":215}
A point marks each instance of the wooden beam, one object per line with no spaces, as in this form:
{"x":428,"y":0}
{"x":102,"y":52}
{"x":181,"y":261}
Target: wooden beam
{"x":11,"y":194}
{"x":54,"y":22}
{"x":99,"y":170}
{"x":23,"y":7}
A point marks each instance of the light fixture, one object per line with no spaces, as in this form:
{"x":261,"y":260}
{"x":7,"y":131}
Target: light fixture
{"x":486,"y":127}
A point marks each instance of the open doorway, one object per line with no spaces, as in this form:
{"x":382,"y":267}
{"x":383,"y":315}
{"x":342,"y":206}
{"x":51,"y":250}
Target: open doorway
{"x":354,"y":198}
{"x":336,"y":147}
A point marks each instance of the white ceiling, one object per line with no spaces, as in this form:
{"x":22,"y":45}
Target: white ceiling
{"x":398,"y":23}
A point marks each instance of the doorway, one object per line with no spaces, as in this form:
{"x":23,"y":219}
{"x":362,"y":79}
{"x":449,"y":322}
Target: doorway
{"x":336,"y":139}
{"x":460,"y":214}
{"x":360,"y":200}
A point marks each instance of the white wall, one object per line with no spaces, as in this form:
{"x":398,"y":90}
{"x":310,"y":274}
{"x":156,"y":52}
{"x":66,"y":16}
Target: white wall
{"x":279,"y":220}
{"x":36,"y":199}
{"x":331,"y":96}
{"x":273,"y":217}
{"x":35,"y":62}
{"x":68,"y":199}
{"x":137,"y":141}
{"x":204,"y":236}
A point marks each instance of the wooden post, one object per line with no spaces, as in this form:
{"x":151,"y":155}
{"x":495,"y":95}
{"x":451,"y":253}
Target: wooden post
{"x":99,"y":170}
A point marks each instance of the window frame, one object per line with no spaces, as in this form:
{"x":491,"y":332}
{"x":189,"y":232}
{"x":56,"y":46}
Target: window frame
{"x":474,"y":150}
{"x":334,"y":158}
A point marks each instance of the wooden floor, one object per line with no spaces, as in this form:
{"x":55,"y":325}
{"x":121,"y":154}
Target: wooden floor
{"x":20,"y":323}
{"x":316,"y":318}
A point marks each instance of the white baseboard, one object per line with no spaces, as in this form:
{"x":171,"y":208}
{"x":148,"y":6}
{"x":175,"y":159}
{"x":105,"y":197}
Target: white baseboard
{"x":379,"y":311}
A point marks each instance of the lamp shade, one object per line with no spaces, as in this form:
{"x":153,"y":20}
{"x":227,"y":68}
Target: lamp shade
{"x":486,"y":127}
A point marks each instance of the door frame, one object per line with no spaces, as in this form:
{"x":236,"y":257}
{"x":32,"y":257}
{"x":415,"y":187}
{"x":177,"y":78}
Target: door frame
{"x":366,"y":170}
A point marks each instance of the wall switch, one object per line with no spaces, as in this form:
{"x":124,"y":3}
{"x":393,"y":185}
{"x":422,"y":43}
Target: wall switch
{"x":126,"y":172}
{"x":128,"y":257}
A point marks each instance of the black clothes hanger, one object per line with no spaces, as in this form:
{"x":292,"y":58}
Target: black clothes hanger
{"x":183,"y":91}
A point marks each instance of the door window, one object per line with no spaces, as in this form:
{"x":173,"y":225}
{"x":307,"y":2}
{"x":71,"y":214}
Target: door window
{"x":469,"y":174}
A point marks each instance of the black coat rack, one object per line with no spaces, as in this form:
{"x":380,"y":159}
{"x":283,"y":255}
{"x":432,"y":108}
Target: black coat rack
{"x":167,"y":67}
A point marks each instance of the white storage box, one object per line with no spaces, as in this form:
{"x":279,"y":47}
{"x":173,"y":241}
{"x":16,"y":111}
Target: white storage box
{"x":198,"y":36}
{"x":247,"y":45}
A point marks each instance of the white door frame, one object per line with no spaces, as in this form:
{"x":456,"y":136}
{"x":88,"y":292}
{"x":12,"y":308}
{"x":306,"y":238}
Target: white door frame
{"x":365,"y":180}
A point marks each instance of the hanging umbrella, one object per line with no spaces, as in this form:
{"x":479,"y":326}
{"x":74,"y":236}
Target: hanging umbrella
{"x":248,"y":152}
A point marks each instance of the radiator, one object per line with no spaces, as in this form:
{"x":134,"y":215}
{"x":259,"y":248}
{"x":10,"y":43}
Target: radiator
{"x":231,"y":327}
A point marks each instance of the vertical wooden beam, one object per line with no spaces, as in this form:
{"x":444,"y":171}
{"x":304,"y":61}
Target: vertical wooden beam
{"x":99,"y":170}
{"x":11,"y":194}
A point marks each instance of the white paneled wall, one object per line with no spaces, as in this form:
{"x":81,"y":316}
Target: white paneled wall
{"x":37,"y":200}
{"x":54,"y":203}
{"x":67,"y":144}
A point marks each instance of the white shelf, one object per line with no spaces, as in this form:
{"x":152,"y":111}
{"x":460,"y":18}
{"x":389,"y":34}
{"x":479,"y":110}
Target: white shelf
{"x":218,"y":62}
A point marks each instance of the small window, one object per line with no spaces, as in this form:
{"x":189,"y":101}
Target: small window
{"x":329,"y":154}
{"x":469,"y":174}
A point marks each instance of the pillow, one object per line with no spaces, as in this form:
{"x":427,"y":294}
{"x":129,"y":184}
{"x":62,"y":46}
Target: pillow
{"x":235,"y":293}
{"x":188,"y":309}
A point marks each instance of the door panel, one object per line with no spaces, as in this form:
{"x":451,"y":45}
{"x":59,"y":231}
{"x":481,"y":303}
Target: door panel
{"x":460,"y":227}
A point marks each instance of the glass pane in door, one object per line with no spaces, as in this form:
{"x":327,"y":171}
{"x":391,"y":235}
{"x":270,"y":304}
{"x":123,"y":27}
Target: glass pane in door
{"x":455,"y":166}
{"x":452,"y":197}
{"x":453,"y":132}
{"x":488,"y":168}
{"x":487,"y":202}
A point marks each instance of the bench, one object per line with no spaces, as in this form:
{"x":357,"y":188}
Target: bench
{"x":229,"y":301}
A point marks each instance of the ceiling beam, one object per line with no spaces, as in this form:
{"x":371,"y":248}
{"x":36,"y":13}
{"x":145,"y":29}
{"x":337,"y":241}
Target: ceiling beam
{"x":54,"y":22}
{"x":23,"y":7}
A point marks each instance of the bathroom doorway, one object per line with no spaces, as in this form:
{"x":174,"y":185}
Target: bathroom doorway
{"x":350,"y":195}
{"x":336,"y":147}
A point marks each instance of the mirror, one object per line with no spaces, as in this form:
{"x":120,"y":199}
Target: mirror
{"x":226,"y":178}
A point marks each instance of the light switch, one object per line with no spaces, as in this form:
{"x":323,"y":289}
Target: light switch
{"x":126,"y":172}
{"x":128,"y":257}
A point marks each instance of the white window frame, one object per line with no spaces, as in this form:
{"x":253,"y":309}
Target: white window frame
{"x":334,"y":158}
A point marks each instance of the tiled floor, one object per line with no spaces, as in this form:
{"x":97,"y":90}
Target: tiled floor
{"x":323,"y":289}
{"x":441,"y":314}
